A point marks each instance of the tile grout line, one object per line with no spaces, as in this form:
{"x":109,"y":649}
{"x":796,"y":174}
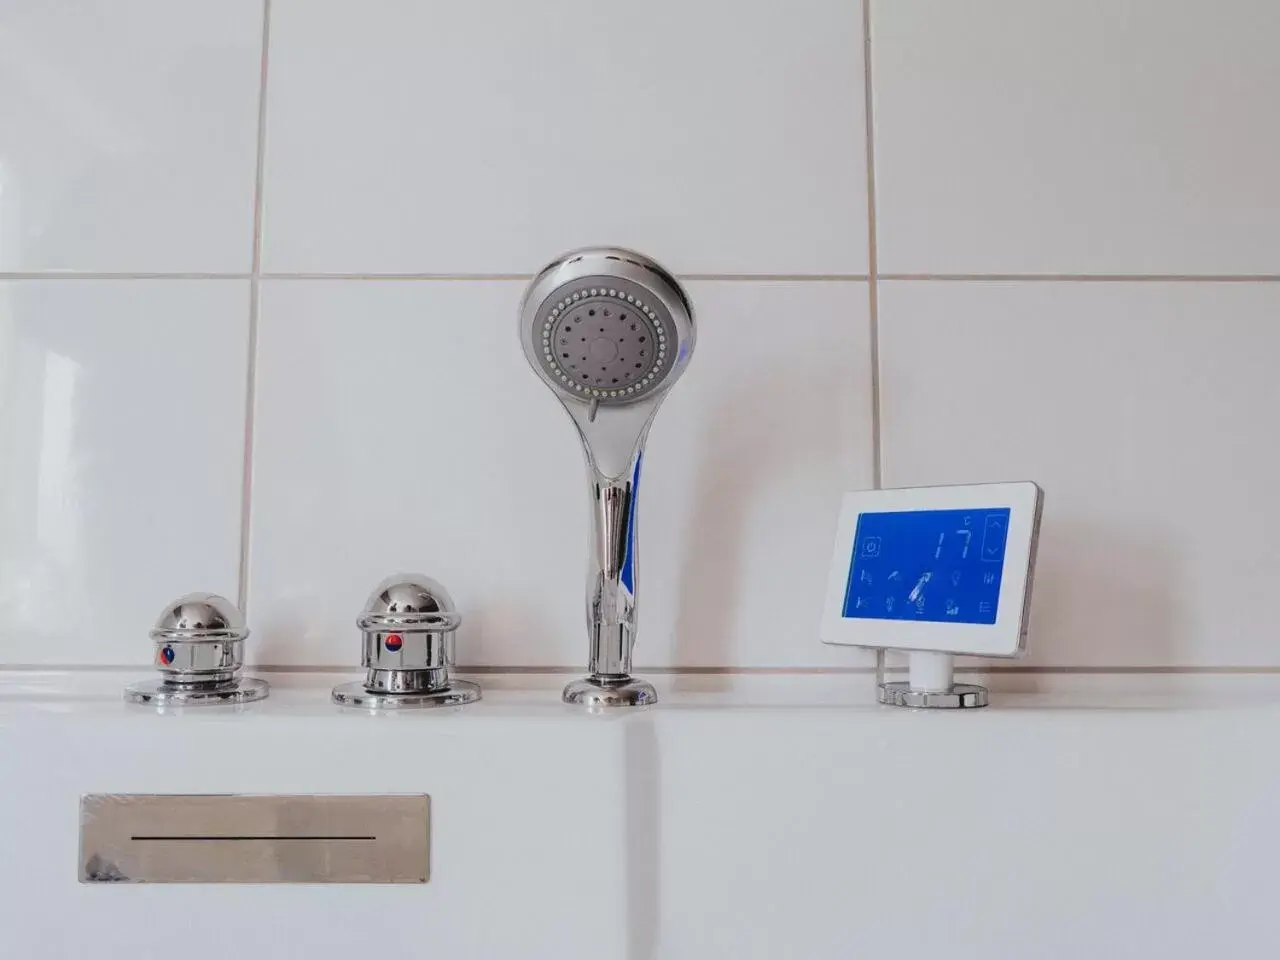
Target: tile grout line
{"x":873,"y":279}
{"x":461,"y":277}
{"x":251,"y":364}
{"x":73,"y":275}
{"x":526,"y":277}
{"x":558,"y":670}
{"x":873,"y":293}
{"x":1084,"y":277}
{"x":713,"y":277}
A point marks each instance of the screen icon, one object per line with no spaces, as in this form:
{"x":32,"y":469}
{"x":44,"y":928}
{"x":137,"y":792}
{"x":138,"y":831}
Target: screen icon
{"x":993,"y":534}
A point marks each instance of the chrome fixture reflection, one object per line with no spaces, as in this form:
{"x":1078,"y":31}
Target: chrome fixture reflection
{"x":609,"y":331}
{"x":408,"y":627}
{"x":199,"y":650}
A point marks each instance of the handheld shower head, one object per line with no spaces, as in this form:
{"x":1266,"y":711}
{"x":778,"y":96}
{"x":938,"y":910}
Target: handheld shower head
{"x":610,"y":332}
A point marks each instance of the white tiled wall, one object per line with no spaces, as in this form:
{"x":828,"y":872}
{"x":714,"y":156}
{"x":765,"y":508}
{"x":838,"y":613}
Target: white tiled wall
{"x":486,"y":136}
{"x":1070,"y":273}
{"x":1077,"y":136}
{"x":1144,"y":410}
{"x":417,"y":438}
{"x":128,"y":135}
{"x":122,"y":426}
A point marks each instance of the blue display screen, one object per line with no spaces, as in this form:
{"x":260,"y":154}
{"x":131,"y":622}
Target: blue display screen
{"x":940,"y":566}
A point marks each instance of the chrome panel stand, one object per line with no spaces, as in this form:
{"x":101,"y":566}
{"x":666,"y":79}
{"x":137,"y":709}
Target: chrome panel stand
{"x":930,"y":684}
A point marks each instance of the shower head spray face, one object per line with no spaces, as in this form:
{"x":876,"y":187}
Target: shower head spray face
{"x":610,"y":332}
{"x":604,"y":341}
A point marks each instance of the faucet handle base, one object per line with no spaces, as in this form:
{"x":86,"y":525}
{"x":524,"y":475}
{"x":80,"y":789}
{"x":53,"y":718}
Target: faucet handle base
{"x":164,"y":693}
{"x":606,"y":691}
{"x":356,"y":694}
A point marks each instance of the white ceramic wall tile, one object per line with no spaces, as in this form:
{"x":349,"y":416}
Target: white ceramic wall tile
{"x":130,"y":135}
{"x":399,"y":428}
{"x":1069,"y":137}
{"x":722,"y":136}
{"x":121,"y":451}
{"x":1144,"y":410}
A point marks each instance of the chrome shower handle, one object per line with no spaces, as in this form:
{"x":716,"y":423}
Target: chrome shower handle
{"x":609,"y":331}
{"x":611,"y":573}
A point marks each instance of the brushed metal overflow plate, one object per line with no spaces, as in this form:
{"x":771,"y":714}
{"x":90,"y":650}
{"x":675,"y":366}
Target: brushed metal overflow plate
{"x":225,"y":838}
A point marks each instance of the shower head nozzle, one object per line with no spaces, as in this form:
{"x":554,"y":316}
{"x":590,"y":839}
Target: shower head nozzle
{"x":607,"y":327}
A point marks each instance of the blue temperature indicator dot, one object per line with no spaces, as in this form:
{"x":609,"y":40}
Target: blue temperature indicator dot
{"x":166,"y":655}
{"x":941,"y":566}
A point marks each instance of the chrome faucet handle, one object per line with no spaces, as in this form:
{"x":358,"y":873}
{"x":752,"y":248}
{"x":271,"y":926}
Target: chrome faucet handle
{"x":199,"y":651}
{"x":408,"y":628}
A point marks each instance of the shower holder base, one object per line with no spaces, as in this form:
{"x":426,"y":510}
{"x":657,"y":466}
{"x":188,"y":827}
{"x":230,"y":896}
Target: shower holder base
{"x":620,"y":692}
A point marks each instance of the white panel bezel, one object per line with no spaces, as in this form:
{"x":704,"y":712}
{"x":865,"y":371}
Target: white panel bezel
{"x":1004,"y":638}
